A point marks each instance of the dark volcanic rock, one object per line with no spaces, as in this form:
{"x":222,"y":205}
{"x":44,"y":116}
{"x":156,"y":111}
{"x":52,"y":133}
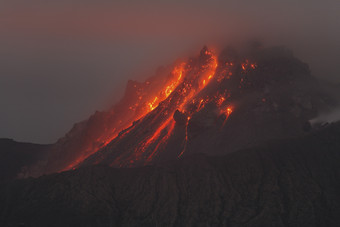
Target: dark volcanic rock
{"x":16,"y":156}
{"x":271,"y":94}
{"x":284,"y":183}
{"x":180,"y":118}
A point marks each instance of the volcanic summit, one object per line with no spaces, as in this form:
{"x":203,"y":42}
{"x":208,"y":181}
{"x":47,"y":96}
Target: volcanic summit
{"x":228,"y":138}
{"x":211,"y":103}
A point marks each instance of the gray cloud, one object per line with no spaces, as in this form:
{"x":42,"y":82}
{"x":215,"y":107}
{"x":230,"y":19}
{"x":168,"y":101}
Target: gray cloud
{"x":62,"y":60}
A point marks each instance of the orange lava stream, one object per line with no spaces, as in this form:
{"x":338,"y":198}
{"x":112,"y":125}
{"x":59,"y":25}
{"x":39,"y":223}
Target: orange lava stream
{"x":178,"y":76}
{"x":205,"y":79}
{"x":163,"y":140}
{"x":188,"y":88}
{"x":103,"y":144}
{"x":178,"y":73}
{"x":186,"y":138}
{"x":227,"y":113}
{"x":140,"y":150}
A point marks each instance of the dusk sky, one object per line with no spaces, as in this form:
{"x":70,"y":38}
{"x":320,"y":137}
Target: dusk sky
{"x":62,"y":60}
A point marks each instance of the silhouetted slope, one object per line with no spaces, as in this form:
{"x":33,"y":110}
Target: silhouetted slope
{"x":236,"y":100}
{"x":284,"y":183}
{"x":16,"y":155}
{"x":270,"y":93}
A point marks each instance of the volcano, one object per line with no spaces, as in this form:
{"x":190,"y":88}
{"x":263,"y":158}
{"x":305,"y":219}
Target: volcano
{"x":217,"y":140}
{"x":211,"y":104}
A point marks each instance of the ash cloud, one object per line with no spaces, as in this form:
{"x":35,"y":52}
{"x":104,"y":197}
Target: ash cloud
{"x":62,"y":60}
{"x":325,"y":118}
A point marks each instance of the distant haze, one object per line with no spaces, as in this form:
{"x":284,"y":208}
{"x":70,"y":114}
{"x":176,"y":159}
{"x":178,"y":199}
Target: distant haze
{"x":331,"y":117}
{"x":62,"y":60}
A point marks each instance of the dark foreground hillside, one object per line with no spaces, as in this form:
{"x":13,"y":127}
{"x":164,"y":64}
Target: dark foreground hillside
{"x":285,"y":183}
{"x":14,"y":156}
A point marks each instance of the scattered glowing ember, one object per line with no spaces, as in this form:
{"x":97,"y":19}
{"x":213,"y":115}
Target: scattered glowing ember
{"x":186,"y":138}
{"x":152,"y":104}
{"x":227,"y":113}
{"x":181,"y":91}
{"x":246,"y":65}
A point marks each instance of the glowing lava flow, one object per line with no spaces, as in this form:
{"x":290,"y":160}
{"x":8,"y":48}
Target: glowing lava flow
{"x":102,"y":143}
{"x":204,"y":82}
{"x":163,"y":140}
{"x":163,"y":94}
{"x":184,"y":91}
{"x":186,"y":138}
{"x":140,"y":150}
{"x":187,"y":91}
{"x":137,"y":111}
{"x":227,"y":113}
{"x":178,"y":73}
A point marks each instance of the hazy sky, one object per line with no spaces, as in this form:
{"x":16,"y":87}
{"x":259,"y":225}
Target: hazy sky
{"x":62,"y":60}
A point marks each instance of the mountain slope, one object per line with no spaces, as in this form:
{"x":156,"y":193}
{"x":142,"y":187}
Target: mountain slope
{"x":207,"y":104}
{"x":251,"y":97}
{"x":16,"y":156}
{"x":284,"y":183}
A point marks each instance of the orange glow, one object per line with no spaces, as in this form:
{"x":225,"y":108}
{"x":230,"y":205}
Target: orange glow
{"x":142,"y":148}
{"x":220,"y":100}
{"x":181,"y":90}
{"x":246,"y":65}
{"x":178,"y":73}
{"x":206,"y":77}
{"x":211,"y":69}
{"x":163,"y":140}
{"x":152,"y":104}
{"x":228,"y":111}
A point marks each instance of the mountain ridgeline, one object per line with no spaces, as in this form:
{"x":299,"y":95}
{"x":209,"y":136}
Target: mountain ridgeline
{"x":234,"y":139}
{"x":208,"y":104}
